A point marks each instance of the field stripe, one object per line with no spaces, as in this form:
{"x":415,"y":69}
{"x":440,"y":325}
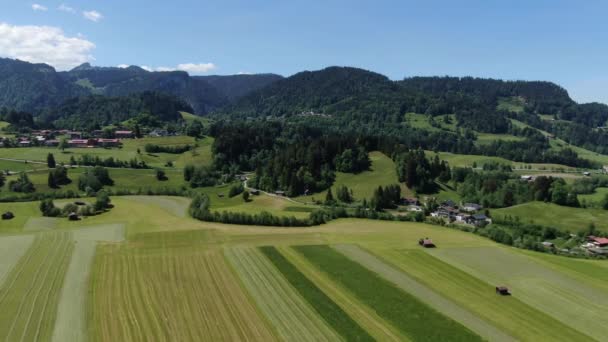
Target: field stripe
{"x":537,"y":285}
{"x":509,"y":313}
{"x":12,"y":248}
{"x":175,"y":294}
{"x":325,"y":307}
{"x":293,"y":318}
{"x":71,"y":312}
{"x":407,"y":313}
{"x":29,"y":298}
{"x":432,"y":298}
{"x":365,"y":316}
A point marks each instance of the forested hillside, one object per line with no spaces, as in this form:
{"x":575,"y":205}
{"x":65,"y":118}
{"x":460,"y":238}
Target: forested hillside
{"x":94,"y":112}
{"x":37,"y":87}
{"x":236,"y":86}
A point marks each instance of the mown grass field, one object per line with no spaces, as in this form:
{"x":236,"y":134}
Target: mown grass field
{"x":544,"y":288}
{"x":30,"y":293}
{"x":179,"y":294}
{"x":145,"y":271}
{"x":549,"y":214}
{"x":509,"y":314}
{"x":412,"y":317}
{"x":200,"y":154}
{"x":124,"y":179}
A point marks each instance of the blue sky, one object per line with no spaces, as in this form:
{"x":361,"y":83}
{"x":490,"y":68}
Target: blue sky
{"x":559,"y":41}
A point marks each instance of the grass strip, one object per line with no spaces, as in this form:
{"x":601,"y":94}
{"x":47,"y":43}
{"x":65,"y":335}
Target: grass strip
{"x":407,"y":313}
{"x":330,"y":311}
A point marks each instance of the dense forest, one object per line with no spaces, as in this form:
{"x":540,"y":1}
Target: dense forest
{"x":94,"y":112}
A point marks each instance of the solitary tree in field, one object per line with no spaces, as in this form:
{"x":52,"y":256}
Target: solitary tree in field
{"x":50,"y":161}
{"x":246,"y":196}
{"x":329,"y":198}
{"x":63,"y":144}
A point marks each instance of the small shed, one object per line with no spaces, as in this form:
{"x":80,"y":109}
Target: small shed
{"x":255,"y":192}
{"x":73,"y":217}
{"x":503,"y":291}
{"x":8,"y":216}
{"x":426,"y":243}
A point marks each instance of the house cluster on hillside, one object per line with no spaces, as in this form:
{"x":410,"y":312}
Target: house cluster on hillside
{"x":468,"y":213}
{"x":75,"y":139}
{"x":596,"y":245}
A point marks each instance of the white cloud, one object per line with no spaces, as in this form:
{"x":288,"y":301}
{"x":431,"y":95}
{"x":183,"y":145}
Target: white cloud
{"x":196,"y":68}
{"x":93,"y":16}
{"x":122,"y":66}
{"x":190,"y":68}
{"x":38,"y":7}
{"x":66,"y":8}
{"x":164,"y":69}
{"x":244,"y":73}
{"x":44,"y":44}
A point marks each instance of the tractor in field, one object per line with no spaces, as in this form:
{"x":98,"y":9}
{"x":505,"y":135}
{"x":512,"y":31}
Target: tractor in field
{"x":503,"y":291}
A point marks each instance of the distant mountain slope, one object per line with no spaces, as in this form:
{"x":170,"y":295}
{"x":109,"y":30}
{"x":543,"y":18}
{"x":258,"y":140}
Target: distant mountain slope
{"x":36,"y":87}
{"x":28,"y":87}
{"x":236,"y":86}
{"x":328,"y":91}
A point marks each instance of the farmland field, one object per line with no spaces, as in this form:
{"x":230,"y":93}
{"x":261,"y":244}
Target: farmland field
{"x":542,"y":287}
{"x":146,"y":271}
{"x":412,"y":317}
{"x":548,"y":214}
{"x":277,"y":299}
{"x":182,"y":294}
{"x":200,"y":154}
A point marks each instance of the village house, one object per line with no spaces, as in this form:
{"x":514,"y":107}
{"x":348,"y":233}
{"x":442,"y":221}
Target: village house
{"x":415,"y":208}
{"x":471,"y":207}
{"x":74,"y":135}
{"x":526,"y":178}
{"x":51,"y":143}
{"x":25,"y":143}
{"x":124,"y":134}
{"x":598,"y":241}
{"x":108,"y":142}
{"x":78,"y":143}
{"x":159,"y":133}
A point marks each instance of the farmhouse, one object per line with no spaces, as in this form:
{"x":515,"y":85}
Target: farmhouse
{"x":471,"y":207}
{"x":51,"y":143}
{"x":108,"y":142}
{"x":527,"y":178}
{"x":411,"y":201}
{"x":124,"y":134}
{"x":279,"y":193}
{"x":78,"y":143}
{"x":25,"y":143}
{"x":74,"y":135}
{"x":548,"y":244}
{"x":479,"y":219}
{"x":415,"y":208}
{"x":598,"y":241}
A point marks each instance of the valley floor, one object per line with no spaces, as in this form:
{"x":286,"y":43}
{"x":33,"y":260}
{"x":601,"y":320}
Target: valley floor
{"x":147,"y":272}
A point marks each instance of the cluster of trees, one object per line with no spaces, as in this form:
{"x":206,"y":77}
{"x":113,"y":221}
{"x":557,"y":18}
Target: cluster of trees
{"x":497,"y":189}
{"x":386,"y":197}
{"x":58,"y":177}
{"x":419,"y":173}
{"x":200,"y":176}
{"x":88,"y":160}
{"x":94,"y":179}
{"x":21,"y":184}
{"x":18,"y":120}
{"x":153,"y":148}
{"x":353,"y":161}
{"x":102,"y":203}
